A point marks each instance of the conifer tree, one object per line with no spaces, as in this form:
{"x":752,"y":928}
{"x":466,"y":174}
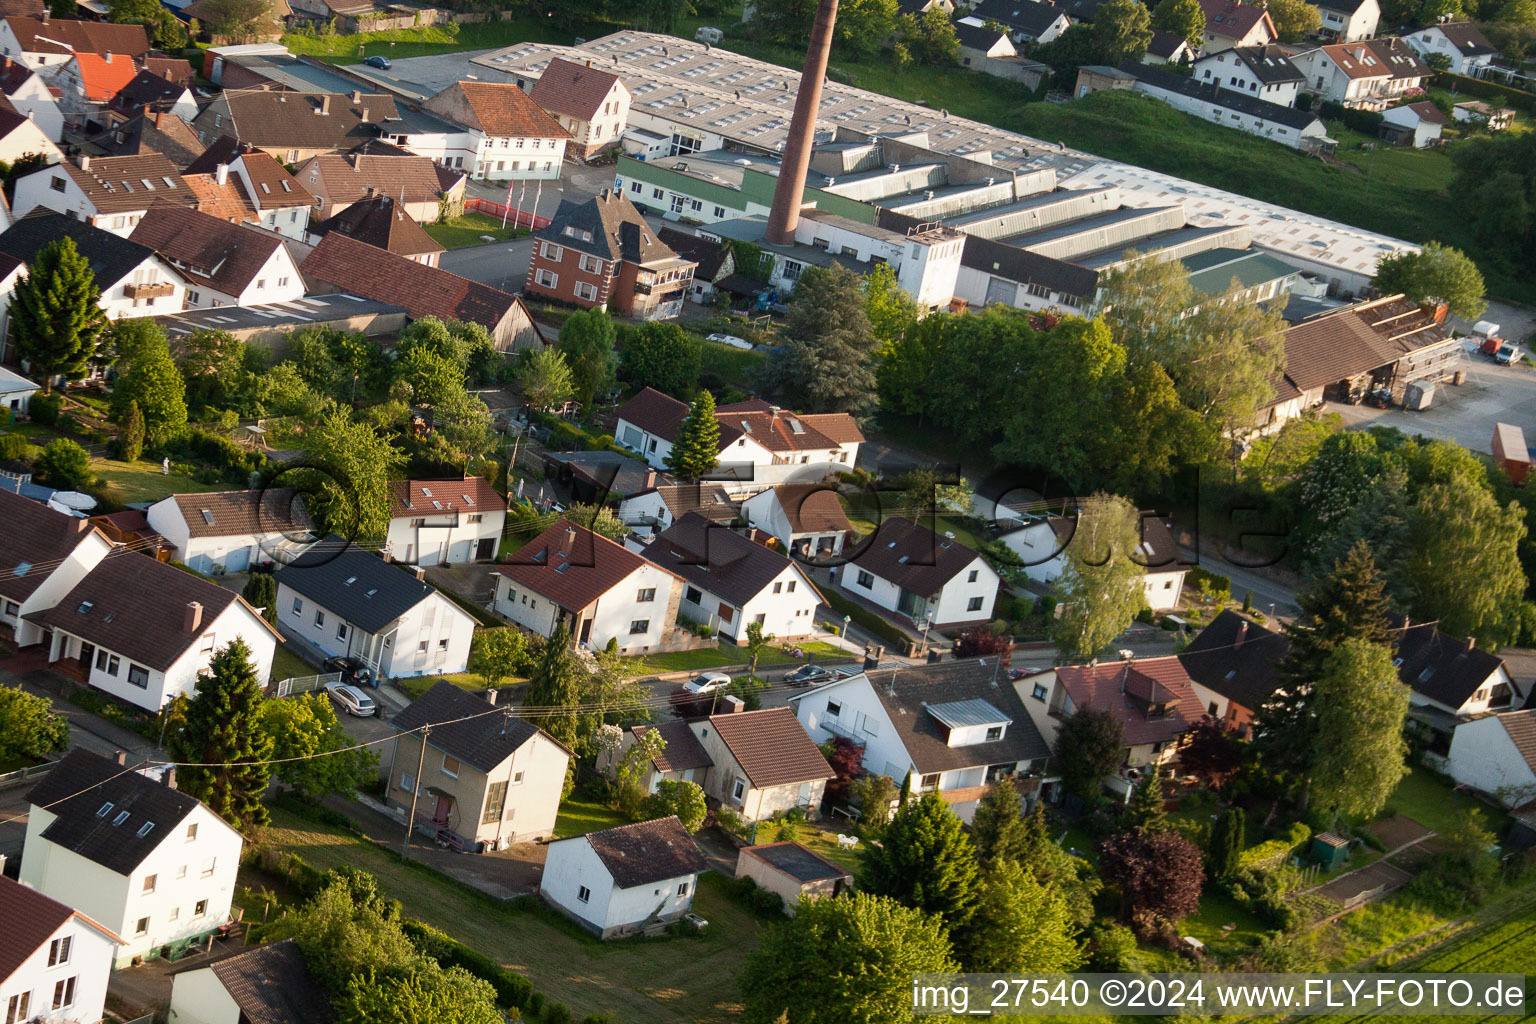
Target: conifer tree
{"x":556,"y":684}
{"x":131,"y":440}
{"x":1226,"y":843}
{"x":998,"y":828}
{"x":697,"y":448}
{"x":925,"y":861}
{"x":221,"y":739}
{"x":1019,"y":925}
{"x":1146,"y":804}
{"x":54,"y":314}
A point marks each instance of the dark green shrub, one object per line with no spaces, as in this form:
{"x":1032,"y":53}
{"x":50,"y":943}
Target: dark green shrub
{"x":557,"y":1013}
{"x":44,"y":409}
{"x":15,"y":447}
{"x":535,"y":1005}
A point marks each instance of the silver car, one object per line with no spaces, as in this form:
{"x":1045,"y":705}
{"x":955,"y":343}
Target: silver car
{"x":352,"y":700}
{"x":707,"y":682}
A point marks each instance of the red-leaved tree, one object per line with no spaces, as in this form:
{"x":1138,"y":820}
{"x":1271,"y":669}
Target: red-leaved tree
{"x":981,"y":642}
{"x":1158,"y":874}
{"x":1211,"y":754}
{"x":846,"y":759}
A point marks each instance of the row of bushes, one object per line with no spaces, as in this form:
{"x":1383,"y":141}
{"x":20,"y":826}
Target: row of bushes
{"x":512,"y":989}
{"x":1275,"y":849}
{"x":234,"y":462}
{"x":762,"y":902}
{"x":868,"y":620}
{"x":1366,"y":122}
{"x":1488,"y":90}
{"x":1262,"y":895}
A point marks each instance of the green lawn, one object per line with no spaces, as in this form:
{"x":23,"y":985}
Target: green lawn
{"x":1374,"y":927}
{"x":1426,"y":797}
{"x":288,"y":663}
{"x":668,"y":981}
{"x":468,"y":229}
{"x":418,"y":685}
{"x":419,"y":42}
{"x":578,"y":816}
{"x":1216,"y":912}
{"x":143,"y":481}
{"x":735,"y":367}
{"x":823,"y":842}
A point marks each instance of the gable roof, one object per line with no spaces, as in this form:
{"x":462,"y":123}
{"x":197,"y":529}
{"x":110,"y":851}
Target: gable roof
{"x":1236,"y":658}
{"x":913,"y":557}
{"x":136,"y":606}
{"x":1167,"y":45}
{"x":774,"y":428}
{"x":1426,"y":111}
{"x":154,"y":131}
{"x":709,"y":255}
{"x":1029,"y":17}
{"x":1521,"y":729}
{"x":1466,"y":37}
{"x":908,"y":693}
{"x":35,"y":539}
{"x":976,"y":36}
{"x":226,"y":202}
{"x":361,"y":269}
{"x":65,"y":35}
{"x":606,"y":226}
{"x":812,"y":508}
{"x":367,"y":591}
{"x":1211,"y":92}
{"x":572,"y":89}
{"x":31,"y":919}
{"x":171,"y":69}
{"x":111,"y":257}
{"x":243,"y":513}
{"x":283,"y":120}
{"x":1234,"y":20}
{"x":646,"y":852}
{"x":148,"y":89}
{"x":1327,"y":349}
{"x":272,"y":186}
{"x":502,"y":109}
{"x":411,"y":498}
{"x":1441,"y":667}
{"x":351,"y":177}
{"x":118,"y":184}
{"x":383,"y":224}
{"x":1270,"y":63}
{"x":654,"y":412}
{"x":1124,"y":688}
{"x":801,"y":863}
{"x":207,"y":248}
{"x":466,"y":726}
{"x":683,"y":749}
{"x":1400,"y":59}
{"x":89,"y":793}
{"x":719,"y":560}
{"x":707,"y":499}
{"x":271,"y":984}
{"x":570,"y":565}
{"x":1339,"y":6}
{"x":771,"y":747}
{"x":102,"y":75}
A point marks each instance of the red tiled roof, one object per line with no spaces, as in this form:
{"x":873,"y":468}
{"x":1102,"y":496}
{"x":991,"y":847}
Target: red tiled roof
{"x":654,"y":412}
{"x":503,"y":109}
{"x":63,"y":35}
{"x":207,"y":248}
{"x":772,"y":747}
{"x":103,"y":76}
{"x":470,"y":493}
{"x":172,"y":69}
{"x":226,"y":201}
{"x":812,"y":508}
{"x":570,"y":565}
{"x":576,"y":90}
{"x":1124,"y":688}
{"x":773,"y":428}
{"x":118,"y":184}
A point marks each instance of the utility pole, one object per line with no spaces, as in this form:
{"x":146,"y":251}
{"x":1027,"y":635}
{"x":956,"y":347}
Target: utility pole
{"x":506,"y":720}
{"x":410,"y":821}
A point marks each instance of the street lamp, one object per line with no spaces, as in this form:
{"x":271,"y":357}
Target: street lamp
{"x":1271,"y":611}
{"x":846,"y":619}
{"x":927,"y":625}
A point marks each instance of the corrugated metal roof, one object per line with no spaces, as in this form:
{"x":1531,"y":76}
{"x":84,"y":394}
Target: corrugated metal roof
{"x":960,"y":713}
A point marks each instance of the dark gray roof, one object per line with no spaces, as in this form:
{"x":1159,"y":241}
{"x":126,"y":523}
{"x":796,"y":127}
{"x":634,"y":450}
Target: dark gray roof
{"x":35,"y":540}
{"x":912,"y":556}
{"x":1270,"y":64}
{"x":271,"y":985}
{"x":1009,"y":261}
{"x":90,"y":794}
{"x":715,"y":558}
{"x":1210,"y":92}
{"x":1166,"y":44}
{"x":646,"y":852}
{"x":1341,"y":6}
{"x":1466,"y":37}
{"x":683,"y":749}
{"x":111,"y":257}
{"x":606,"y":226}
{"x":1246,"y":673}
{"x":798,"y":862}
{"x":364,"y":589}
{"x":977,"y":37}
{"x":1441,"y":667}
{"x":1028,"y":17}
{"x":466,"y":726}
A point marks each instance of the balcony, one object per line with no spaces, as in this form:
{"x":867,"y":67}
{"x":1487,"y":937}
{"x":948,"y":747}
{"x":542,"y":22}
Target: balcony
{"x":148,"y":291}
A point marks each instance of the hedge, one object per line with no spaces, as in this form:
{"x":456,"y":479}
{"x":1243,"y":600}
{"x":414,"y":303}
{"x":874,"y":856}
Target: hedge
{"x":1365,"y":122}
{"x":1275,"y":849}
{"x":867,"y":619}
{"x":44,"y":409}
{"x":15,"y":447}
{"x":1484,"y":90}
{"x":512,"y":989}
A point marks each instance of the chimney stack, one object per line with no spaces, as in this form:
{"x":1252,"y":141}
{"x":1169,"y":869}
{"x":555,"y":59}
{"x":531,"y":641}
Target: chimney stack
{"x":357,"y":95}
{"x":170,"y":776}
{"x":45,"y":15}
{"x":325,"y":104}
{"x":734,"y":705}
{"x":121,"y":757}
{"x":789,"y":191}
{"x":85,"y":163}
{"x":1242,"y":631}
{"x":650,"y":479}
{"x":364,"y":116}
{"x":490,"y":696}
{"x":193,"y":620}
{"x":1471,"y":643}
{"x":221,"y":174}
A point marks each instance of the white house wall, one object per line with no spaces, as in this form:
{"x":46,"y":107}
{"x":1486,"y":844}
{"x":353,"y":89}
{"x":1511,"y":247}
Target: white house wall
{"x":396,"y":649}
{"x":860,"y":717}
{"x":89,"y":963}
{"x":957,"y":594}
{"x":526,"y":608}
{"x":1484,"y":757}
{"x":446,"y":537}
{"x":199,"y":997}
{"x":87,"y":554}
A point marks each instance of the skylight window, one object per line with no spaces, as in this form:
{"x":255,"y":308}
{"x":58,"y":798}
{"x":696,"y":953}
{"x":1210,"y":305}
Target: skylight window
{"x":146,"y":828}
{"x":287,"y":187}
{"x":22,"y":568}
{"x":265,"y":189}
{"x":122,"y":816}
{"x":427,"y":491}
{"x":168,"y":182}
{"x":370,"y":593}
{"x":468,"y":500}
{"x":207,"y":516}
{"x":147,"y":184}
{"x":85,"y":606}
{"x":106,"y":809}
{"x":350,"y":580}
{"x":127,"y":186}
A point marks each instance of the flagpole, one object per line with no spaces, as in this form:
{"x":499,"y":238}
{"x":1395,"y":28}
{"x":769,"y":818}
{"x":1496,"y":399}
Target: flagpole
{"x":521,"y":193}
{"x":511,"y":183}
{"x":539,"y":194}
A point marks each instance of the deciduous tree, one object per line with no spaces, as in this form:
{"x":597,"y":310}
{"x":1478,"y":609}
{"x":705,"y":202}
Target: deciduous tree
{"x":1019,"y":925}
{"x":1210,"y":753}
{"x":429,"y":994}
{"x":1158,"y":874}
{"x":678,"y":797}
{"x":1294,"y":19}
{"x":495,"y":654}
{"x":221,"y":745}
{"x":599,"y":519}
{"x":925,"y":861}
{"x":306,"y":735}
{"x":545,"y":379}
{"x":1101,"y":588}
{"x":981,"y":642}
{"x":29,"y":728}
{"x":1359,"y":753}
{"x":891,"y":310}
{"x":55,"y":318}
{"x":1123,"y":30}
{"x":155,"y":385}
{"x":661,"y":356}
{"x":586,"y":341}
{"x":346,"y":930}
{"x":874,"y":795}
{"x":1089,"y":746}
{"x":696,"y":451}
{"x":1184,"y":18}
{"x":65,"y":466}
{"x":1437,"y":273}
{"x":347,"y":486}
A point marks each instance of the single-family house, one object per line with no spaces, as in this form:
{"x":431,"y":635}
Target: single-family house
{"x":133,"y":279}
{"x":991,"y":51}
{"x":171,"y":69}
{"x":55,"y":960}
{"x":87,"y":82}
{"x":1414,"y":124}
{"x":764,"y":763}
{"x":239,"y":181}
{"x":1234,"y":668}
{"x":955,"y":727}
{"x":1370,"y":74}
{"x":20,"y":137}
{"x":155,"y":92}
{"x":1477,"y":112}
{"x":486,"y":778}
{"x":808,"y":519}
{"x":682,"y":757}
{"x":661,"y":505}
{"x":268,"y":984}
{"x":1451,"y":678}
{"x":230,"y":531}
{"x":108,"y":192}
{"x":1229,"y":23}
{"x":714,"y":262}
{"x":792,"y":871}
{"x":1496,"y":754}
{"x":224,"y":263}
{"x":30,"y":95}
{"x":383,"y":223}
{"x":1168,"y":48}
{"x":761,"y":445}
{"x":337,"y":180}
{"x":597,"y":589}
{"x":601,"y":254}
{"x":40,"y":41}
{"x":597,"y":478}
{"x":343,"y":264}
{"x":731,"y":582}
{"x":1027,"y":21}
{"x":152,"y":131}
{"x":624,"y":880}
{"x":43,"y":554}
{"x":910,"y":570}
{"x":16,"y":391}
{"x":1264,"y":71}
{"x":1345,"y":21}
{"x":1468,"y":50}
{"x":346,"y":601}
{"x":1152,"y":698}
{"x":441,"y":522}
{"x":1231,"y":108}
{"x":145,"y":631}
{"x":294,"y":126}
{"x":512,"y":137}
{"x":590,"y":103}
{"x":133,"y":853}
{"x":1042,"y":545}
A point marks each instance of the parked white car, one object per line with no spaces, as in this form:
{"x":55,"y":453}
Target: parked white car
{"x":352,"y":700}
{"x":707,"y":682}
{"x":732,"y":340}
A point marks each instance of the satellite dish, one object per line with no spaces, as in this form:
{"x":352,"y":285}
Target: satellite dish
{"x":73,"y":501}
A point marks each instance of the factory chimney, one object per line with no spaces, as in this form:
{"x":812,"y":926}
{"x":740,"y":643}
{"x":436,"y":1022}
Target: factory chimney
{"x":789,"y":192}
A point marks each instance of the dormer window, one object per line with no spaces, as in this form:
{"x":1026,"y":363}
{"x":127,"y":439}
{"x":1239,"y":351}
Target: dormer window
{"x":994,"y":733}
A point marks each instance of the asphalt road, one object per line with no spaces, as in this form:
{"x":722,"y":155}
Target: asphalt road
{"x":501,"y":265}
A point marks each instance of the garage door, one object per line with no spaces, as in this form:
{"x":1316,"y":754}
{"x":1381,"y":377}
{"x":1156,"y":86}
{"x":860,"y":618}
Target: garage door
{"x":237,"y":560}
{"x":1000,"y":289}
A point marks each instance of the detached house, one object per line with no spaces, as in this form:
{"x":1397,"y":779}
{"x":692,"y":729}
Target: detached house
{"x":383,"y":223}
{"x":912,"y":571}
{"x":21,"y":137}
{"x":808,"y":519}
{"x":598,"y":590}
{"x":764,"y":763}
{"x":230,"y":531}
{"x":1414,"y":124}
{"x":1370,"y":74}
{"x":87,"y":82}
{"x":955,"y":727}
{"x":591,"y":104}
{"x":261,"y":189}
{"x":1234,"y":668}
{"x":267,"y":984}
{"x":1450,"y":678}
{"x":42,"y":41}
{"x":133,"y":279}
{"x":761,"y":445}
{"x":488,"y":779}
{"x":1152,"y":698}
{"x":438,"y":522}
{"x":731,"y":582}
{"x":30,"y":95}
{"x":682,"y":758}
{"x":156,"y":93}
{"x":55,"y":960}
{"x":1041,"y":548}
{"x":601,"y":254}
{"x":1229,"y":23}
{"x":661,"y":505}
{"x":108,"y":192}
{"x":294,"y":126}
{"x":139,"y":858}
{"x":43,"y":554}
{"x":224,"y":263}
{"x":346,"y":601}
{"x":1345,"y":21}
{"x":1027,"y":21}
{"x":338,"y":180}
{"x":624,"y":880}
{"x":1496,"y":754}
{"x":144,"y":631}
{"x":511,"y":135}
{"x":1263,"y":71}
{"x":1468,"y":50}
